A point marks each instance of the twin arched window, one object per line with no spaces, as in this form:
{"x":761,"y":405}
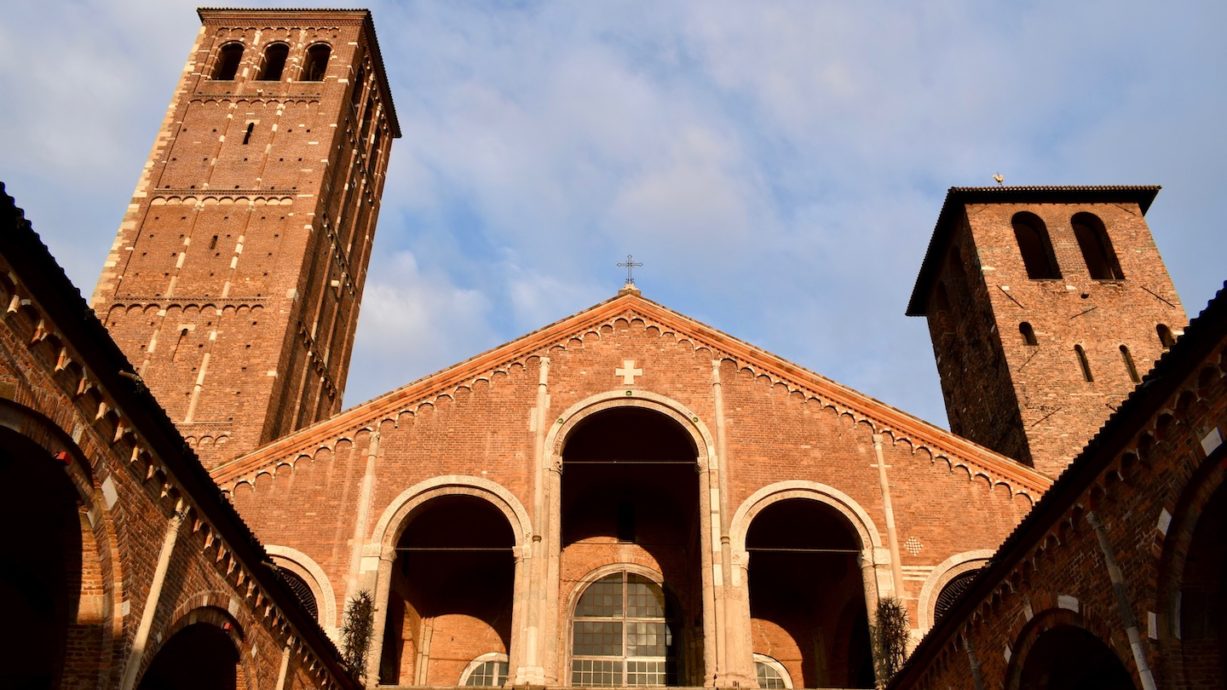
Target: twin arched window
{"x":1040,"y":260}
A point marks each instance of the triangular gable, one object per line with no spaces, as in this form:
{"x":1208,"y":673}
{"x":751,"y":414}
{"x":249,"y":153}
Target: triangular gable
{"x":632,"y":305}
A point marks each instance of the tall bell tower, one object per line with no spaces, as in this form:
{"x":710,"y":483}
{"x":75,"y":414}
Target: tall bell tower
{"x":234,"y":281}
{"x":1046,"y":307}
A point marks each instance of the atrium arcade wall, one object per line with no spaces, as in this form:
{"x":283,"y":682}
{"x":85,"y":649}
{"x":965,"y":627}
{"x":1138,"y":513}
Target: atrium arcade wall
{"x":1111,"y":549}
{"x":496,"y":427}
{"x":160,"y":547}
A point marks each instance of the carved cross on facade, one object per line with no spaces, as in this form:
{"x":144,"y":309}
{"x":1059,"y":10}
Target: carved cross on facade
{"x":628,"y":372}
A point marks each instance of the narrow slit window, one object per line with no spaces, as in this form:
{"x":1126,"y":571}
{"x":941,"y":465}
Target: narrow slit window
{"x":355,"y":96}
{"x":1035,"y":246}
{"x":213,"y":242}
{"x":228,"y":59}
{"x":1129,"y":365}
{"x":247,"y":135}
{"x":274,"y":62}
{"x":1082,"y":362}
{"x":1096,"y":247}
{"x":317,"y":62}
{"x":174,"y":354}
{"x":1166,"y":339}
{"x":1028,"y":334}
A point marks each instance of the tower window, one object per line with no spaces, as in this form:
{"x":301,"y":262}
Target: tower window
{"x":1096,"y":247}
{"x":1129,"y":366}
{"x":228,"y":59}
{"x":355,"y":96}
{"x":247,"y":135}
{"x":316,"y":63}
{"x":274,"y":62}
{"x":1082,"y":362}
{"x":1028,"y":334}
{"x":1166,"y":339}
{"x":1035,"y":246}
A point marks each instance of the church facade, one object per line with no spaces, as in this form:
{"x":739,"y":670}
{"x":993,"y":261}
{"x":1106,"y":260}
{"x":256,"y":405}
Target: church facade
{"x":628,"y":496}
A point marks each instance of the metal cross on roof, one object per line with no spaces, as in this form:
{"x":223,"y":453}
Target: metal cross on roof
{"x":630,"y":265}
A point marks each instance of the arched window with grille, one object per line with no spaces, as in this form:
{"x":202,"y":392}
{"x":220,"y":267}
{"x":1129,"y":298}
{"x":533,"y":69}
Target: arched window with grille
{"x":950,"y":593}
{"x":302,"y":590}
{"x":316,"y":64}
{"x":1096,"y":247}
{"x":1035,"y":246}
{"x":770,"y":673}
{"x":486,"y":671}
{"x":228,"y":58}
{"x":274,"y":62}
{"x":1166,"y":338}
{"x":620,"y":635}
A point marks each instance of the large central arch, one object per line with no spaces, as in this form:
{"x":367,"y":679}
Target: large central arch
{"x":608,"y":511}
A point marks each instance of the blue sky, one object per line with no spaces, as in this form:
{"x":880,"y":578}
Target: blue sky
{"x":778,"y":166}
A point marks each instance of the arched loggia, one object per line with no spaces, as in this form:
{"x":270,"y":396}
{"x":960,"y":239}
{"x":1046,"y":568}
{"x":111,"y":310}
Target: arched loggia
{"x":451,"y":591}
{"x":203,"y":654}
{"x":630,"y":496}
{"x":807,"y":594}
{"x":1068,"y":657}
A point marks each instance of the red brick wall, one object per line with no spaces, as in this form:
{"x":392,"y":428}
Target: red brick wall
{"x":1149,"y":500}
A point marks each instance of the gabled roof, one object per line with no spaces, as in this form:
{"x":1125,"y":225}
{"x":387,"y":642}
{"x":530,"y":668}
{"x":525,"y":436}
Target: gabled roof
{"x":632,"y":304}
{"x":958,"y":197}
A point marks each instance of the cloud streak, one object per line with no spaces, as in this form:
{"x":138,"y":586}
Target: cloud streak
{"x":778,"y":166}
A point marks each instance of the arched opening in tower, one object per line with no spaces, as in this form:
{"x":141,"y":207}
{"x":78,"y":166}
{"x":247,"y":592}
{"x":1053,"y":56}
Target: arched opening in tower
{"x":450,"y":597}
{"x":201,"y":656}
{"x":1068,"y":658}
{"x":807,"y":594}
{"x":630,"y":514}
{"x":1203,"y":593}
{"x":40,"y":567}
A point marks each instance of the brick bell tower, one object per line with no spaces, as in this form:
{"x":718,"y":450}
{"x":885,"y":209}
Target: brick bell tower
{"x":1046,"y":306}
{"x":234,"y":281}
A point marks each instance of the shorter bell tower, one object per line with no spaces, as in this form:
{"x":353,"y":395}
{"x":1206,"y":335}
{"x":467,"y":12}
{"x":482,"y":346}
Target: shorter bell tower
{"x":1046,"y":307}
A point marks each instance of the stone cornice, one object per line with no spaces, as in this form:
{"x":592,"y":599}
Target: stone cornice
{"x":883,"y":418}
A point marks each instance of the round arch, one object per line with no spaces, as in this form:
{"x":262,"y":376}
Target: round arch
{"x":1200,"y":503}
{"x":396,"y":516}
{"x":208,"y":616}
{"x":704,"y":442}
{"x":940,"y":576}
{"x":29,"y":427}
{"x":305,"y":567}
{"x":551,"y":661}
{"x":400,"y":512}
{"x":857,"y":516}
{"x":1089,"y":648}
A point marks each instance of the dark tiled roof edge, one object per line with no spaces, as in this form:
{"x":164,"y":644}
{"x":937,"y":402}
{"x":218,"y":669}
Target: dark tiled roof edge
{"x":956,"y":197}
{"x":1201,"y":337}
{"x":43,"y":277}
